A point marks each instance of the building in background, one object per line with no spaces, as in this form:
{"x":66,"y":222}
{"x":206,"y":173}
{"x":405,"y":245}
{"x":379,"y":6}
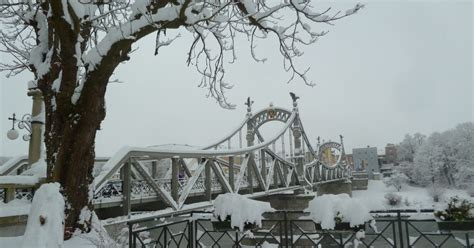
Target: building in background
{"x":350,"y":161}
{"x":390,"y":153}
{"x":366,"y":159}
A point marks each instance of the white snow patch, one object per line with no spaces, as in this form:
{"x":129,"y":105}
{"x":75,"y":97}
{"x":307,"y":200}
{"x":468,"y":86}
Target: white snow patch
{"x":323,"y":209}
{"x":45,"y":227}
{"x":16,"y":207}
{"x":240,"y":209}
{"x":415,"y":197}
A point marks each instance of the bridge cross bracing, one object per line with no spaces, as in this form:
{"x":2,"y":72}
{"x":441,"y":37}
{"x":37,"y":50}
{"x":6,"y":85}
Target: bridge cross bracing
{"x":286,"y":161}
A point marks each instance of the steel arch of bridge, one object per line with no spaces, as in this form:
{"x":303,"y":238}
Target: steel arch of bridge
{"x":283,"y":162}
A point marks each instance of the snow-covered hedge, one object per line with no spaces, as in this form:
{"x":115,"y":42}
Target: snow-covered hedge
{"x":324,"y":210}
{"x":240,"y":209}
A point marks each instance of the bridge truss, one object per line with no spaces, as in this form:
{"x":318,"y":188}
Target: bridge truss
{"x":242,"y":162}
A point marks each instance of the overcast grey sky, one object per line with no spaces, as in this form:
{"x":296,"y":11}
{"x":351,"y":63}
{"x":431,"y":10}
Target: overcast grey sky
{"x":394,"y":68}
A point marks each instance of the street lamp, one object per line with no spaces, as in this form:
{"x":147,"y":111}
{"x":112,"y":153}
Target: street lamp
{"x":32,"y":123}
{"x":23,"y":123}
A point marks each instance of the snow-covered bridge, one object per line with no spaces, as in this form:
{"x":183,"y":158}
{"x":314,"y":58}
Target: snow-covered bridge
{"x":242,"y":162}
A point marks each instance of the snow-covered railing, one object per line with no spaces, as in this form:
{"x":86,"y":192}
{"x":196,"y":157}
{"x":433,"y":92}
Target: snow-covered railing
{"x":13,"y":164}
{"x":393,"y":228}
{"x":12,"y":187}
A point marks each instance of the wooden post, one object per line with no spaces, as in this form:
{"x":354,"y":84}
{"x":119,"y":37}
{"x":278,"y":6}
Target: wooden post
{"x":10,"y":193}
{"x":231,"y":173}
{"x":126,"y":188}
{"x":208,"y":181}
{"x":174,"y":179}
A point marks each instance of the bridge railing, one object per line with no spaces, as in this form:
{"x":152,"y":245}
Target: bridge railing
{"x":18,"y":187}
{"x":393,"y":228}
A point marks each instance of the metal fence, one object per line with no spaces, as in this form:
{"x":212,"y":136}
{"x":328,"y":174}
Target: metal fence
{"x":398,"y":228}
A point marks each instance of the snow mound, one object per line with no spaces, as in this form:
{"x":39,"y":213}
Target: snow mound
{"x":240,"y":209}
{"x":323,"y":209}
{"x":45,"y":227}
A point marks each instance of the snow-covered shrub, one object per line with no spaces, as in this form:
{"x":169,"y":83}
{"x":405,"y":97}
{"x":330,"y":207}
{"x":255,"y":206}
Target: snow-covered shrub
{"x":458,"y":210}
{"x":436,"y":192}
{"x":331,"y":209}
{"x":240,"y":209}
{"x":407,"y":202}
{"x":393,"y":199}
{"x":397,"y":180}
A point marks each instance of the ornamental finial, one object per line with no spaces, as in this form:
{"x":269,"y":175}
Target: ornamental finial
{"x":294,"y":97}
{"x":249,"y":104}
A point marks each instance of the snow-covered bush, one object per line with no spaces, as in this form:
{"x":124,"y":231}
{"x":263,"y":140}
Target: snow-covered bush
{"x":393,"y":199}
{"x":436,"y":192}
{"x":331,"y":209}
{"x":458,"y":210}
{"x":397,"y":180}
{"x":407,"y":202}
{"x":240,"y":209}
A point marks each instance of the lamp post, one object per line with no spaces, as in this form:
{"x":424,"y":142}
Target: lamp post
{"x":32,"y":124}
{"x":23,"y":123}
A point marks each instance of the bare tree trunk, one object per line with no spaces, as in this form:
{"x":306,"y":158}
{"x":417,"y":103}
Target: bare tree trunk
{"x":71,"y":130}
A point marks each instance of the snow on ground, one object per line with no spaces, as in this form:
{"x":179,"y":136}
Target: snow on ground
{"x":412,"y":197}
{"x":15,"y":208}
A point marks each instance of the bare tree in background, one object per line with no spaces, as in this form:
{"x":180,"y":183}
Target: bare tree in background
{"x":72,"y":47}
